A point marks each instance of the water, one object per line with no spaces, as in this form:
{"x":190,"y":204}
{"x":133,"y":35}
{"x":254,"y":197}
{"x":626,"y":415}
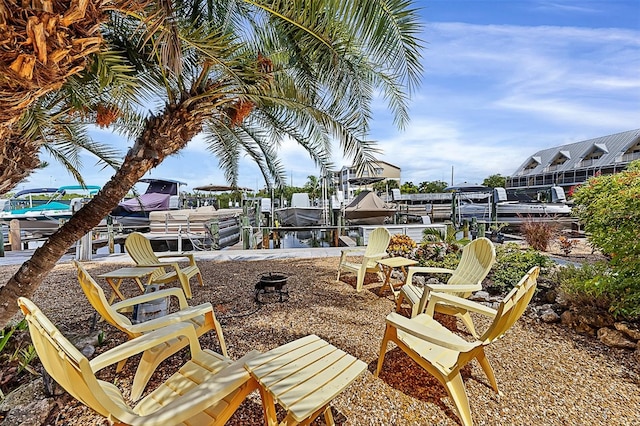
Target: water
{"x":303,"y":239}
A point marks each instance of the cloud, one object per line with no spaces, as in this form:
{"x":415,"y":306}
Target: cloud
{"x":492,"y":95}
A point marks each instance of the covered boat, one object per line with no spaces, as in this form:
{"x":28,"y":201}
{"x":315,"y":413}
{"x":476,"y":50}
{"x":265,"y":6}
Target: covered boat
{"x":161,"y":194}
{"x":368,"y":209}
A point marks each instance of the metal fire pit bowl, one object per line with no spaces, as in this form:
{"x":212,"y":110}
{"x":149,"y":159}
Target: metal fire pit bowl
{"x":272,"y":282}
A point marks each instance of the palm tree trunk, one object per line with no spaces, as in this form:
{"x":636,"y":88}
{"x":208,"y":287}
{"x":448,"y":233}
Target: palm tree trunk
{"x":163,"y":135}
{"x":18,"y":158}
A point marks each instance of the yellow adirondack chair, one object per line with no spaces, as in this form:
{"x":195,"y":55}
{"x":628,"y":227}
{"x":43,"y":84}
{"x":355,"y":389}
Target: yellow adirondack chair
{"x":206,"y":390}
{"x":443,"y":353}
{"x":376,"y":249}
{"x":139,"y":248}
{"x":201,"y":317}
{"x":475,"y":263}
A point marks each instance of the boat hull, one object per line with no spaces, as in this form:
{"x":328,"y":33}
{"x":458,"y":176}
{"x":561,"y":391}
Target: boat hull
{"x":42,"y":222}
{"x":513,"y":212}
{"x":299,"y":216}
{"x":368,"y":217}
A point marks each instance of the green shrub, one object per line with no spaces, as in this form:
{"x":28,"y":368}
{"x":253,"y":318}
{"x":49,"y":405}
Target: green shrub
{"x":609,"y":208}
{"x":599,"y":285}
{"x":437,"y":254}
{"x":584,"y":285}
{"x":511,"y":264}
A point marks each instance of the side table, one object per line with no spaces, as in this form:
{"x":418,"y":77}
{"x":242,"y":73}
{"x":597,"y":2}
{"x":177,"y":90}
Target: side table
{"x":303,"y":376}
{"x":115,"y":278}
{"x":388,"y":265}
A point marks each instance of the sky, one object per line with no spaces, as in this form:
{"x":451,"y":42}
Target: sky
{"x":502,"y":80}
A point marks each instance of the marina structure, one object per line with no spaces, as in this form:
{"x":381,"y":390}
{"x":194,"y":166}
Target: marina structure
{"x":572,"y":164}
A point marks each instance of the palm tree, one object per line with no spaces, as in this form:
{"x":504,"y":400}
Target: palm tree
{"x":312,"y":186}
{"x":243,"y":77}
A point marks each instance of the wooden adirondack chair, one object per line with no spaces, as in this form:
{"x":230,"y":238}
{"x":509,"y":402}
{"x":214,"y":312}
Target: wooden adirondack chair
{"x":206,"y":390}
{"x":201,"y":317}
{"x":443,"y":353}
{"x":376,"y":249}
{"x":475,"y":263}
{"x":139,"y":248}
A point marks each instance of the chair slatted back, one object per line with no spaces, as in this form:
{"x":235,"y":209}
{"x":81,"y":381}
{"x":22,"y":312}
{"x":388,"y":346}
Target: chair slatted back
{"x":65,"y":363}
{"x":475,"y":263}
{"x":512,"y":306}
{"x":98,"y":300}
{"x":378,"y":242}
{"x":140,"y":250}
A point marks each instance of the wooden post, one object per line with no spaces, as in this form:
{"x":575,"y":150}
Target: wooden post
{"x":265,"y":238}
{"x":276,"y":238}
{"x":84,"y":247}
{"x":14,"y":235}
{"x":214,"y":229}
{"x":110,"y":236}
{"x":245,"y":233}
{"x":1,"y":242}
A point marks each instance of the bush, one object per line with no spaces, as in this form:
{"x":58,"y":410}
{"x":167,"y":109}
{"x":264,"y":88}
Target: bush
{"x":584,"y":284}
{"x":537,"y":234}
{"x":401,"y":245}
{"x":609,"y":208}
{"x":511,"y":264}
{"x":566,"y":244}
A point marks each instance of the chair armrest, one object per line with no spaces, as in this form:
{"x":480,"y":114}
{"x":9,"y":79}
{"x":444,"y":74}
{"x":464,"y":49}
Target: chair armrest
{"x":172,"y":318}
{"x":445,"y":339}
{"x":178,"y":292}
{"x":188,"y":256}
{"x":350,"y":251}
{"x":454,"y":288}
{"x":173,"y":265}
{"x":200,"y":397}
{"x":450,"y":299}
{"x":377,"y":255}
{"x":429,"y":270}
{"x":144,"y":342}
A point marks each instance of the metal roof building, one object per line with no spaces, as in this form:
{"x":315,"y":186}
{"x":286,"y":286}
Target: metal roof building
{"x":574,"y":163}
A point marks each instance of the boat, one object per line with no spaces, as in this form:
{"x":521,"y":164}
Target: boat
{"x":301,"y":213}
{"x":160,"y":195}
{"x":512,"y":207}
{"x":42,"y":217}
{"x":368,"y":209}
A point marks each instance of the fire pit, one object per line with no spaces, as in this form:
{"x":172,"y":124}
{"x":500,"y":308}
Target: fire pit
{"x":271,"y":282}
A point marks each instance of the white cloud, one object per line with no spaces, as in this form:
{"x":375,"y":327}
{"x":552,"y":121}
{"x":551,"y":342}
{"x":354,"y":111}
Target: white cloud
{"x":491,"y":96}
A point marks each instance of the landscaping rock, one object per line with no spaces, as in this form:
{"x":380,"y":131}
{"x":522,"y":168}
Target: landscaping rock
{"x":551,"y":296}
{"x":550,"y":316}
{"x":596,"y":319}
{"x":567,"y":318}
{"x":27,"y":405}
{"x":631,"y":331}
{"x":480,"y":296}
{"x":615,"y":338}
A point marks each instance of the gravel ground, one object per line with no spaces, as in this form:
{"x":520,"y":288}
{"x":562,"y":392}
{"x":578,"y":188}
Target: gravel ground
{"x":549,"y":375}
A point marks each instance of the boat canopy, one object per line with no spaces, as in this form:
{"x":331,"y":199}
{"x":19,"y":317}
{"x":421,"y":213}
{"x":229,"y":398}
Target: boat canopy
{"x":220,"y":188}
{"x":36,"y":191}
{"x":54,"y":205}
